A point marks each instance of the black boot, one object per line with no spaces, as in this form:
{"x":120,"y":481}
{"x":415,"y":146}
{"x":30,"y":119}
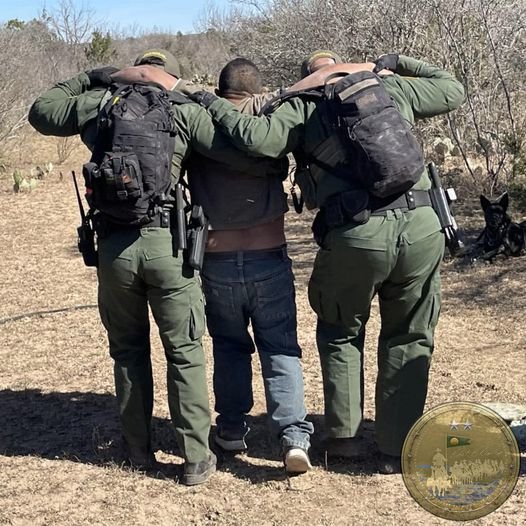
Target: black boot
{"x":199,"y":472}
{"x":388,"y":464}
{"x":140,"y":458}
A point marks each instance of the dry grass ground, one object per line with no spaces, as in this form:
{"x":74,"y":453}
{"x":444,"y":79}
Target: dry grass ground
{"x":58,"y":434}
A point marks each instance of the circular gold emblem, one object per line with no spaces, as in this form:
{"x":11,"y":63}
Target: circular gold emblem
{"x":460,"y":461}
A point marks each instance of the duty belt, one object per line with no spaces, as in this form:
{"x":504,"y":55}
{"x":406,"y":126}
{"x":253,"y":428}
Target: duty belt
{"x":162,"y":219}
{"x":104,"y":225}
{"x":409,"y":201}
{"x":356,"y":206}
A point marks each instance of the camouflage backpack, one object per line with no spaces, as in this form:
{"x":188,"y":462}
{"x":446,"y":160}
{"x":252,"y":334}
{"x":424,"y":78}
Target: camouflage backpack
{"x":373,"y":146}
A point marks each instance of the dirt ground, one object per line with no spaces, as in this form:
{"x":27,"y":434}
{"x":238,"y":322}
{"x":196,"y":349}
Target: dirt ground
{"x":59,"y":455}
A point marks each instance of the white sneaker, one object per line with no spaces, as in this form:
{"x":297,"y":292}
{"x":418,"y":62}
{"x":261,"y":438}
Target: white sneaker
{"x":297,"y":461}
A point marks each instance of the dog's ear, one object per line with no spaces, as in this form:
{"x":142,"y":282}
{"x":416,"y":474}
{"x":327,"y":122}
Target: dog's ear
{"x":504,"y":201}
{"x":484,"y":202}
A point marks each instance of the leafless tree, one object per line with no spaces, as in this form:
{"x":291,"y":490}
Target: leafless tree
{"x":34,"y":55}
{"x":482,"y":41}
{"x":20,"y":75}
{"x":72,"y":24}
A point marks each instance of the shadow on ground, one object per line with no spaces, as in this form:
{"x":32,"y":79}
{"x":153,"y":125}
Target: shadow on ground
{"x":262,"y":445}
{"x":83,"y":427}
{"x":76,"y":426}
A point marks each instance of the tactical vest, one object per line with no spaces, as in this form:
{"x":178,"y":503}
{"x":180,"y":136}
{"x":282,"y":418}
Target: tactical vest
{"x":129,"y":174}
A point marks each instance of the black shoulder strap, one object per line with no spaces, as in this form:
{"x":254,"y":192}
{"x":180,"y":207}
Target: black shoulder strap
{"x":333,"y":170}
{"x":175,"y":97}
{"x":310,"y":93}
{"x":278,"y":100}
{"x":117,"y":88}
{"x":336,"y":75}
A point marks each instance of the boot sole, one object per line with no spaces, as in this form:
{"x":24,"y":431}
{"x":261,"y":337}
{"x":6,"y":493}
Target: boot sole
{"x":297,"y":464}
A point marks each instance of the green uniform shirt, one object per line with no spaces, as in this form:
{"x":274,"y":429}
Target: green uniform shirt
{"x":419,"y":90}
{"x":71,"y":107}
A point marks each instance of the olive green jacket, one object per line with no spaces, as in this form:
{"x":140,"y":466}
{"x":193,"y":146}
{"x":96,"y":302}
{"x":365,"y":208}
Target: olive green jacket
{"x":71,"y":107}
{"x":418,"y":89}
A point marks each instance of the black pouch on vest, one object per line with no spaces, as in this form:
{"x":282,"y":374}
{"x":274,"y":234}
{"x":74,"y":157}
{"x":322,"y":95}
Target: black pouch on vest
{"x":384,"y":156}
{"x":347,"y":207}
{"x":130,"y":170}
{"x":121,"y":177}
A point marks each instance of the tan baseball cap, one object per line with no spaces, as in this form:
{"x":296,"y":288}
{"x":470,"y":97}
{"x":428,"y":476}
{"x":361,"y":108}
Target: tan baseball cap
{"x":320,"y":53}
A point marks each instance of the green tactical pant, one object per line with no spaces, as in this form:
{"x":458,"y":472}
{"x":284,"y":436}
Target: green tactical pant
{"x":398,"y":257}
{"x":137,"y":268}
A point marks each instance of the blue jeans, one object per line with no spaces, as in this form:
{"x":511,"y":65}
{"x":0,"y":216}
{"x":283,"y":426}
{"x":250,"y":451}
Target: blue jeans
{"x":255,"y":287}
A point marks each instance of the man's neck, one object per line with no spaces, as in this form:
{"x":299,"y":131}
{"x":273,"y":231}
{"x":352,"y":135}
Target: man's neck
{"x":235,"y":96}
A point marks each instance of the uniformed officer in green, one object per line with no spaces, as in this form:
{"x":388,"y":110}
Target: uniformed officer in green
{"x":395,"y":254}
{"x":138,"y":267}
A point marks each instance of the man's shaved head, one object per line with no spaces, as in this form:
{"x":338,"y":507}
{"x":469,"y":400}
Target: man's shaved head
{"x":240,"y":75}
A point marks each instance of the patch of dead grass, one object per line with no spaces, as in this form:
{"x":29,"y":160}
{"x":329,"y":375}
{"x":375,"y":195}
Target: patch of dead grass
{"x":59,"y":439}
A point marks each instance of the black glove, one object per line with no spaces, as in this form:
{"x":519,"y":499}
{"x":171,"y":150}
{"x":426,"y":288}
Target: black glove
{"x":101,"y":76}
{"x":204,"y":98}
{"x":388,"y":61}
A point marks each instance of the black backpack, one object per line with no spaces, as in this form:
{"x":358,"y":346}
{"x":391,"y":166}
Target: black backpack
{"x":380,"y":152}
{"x":129,"y":174}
